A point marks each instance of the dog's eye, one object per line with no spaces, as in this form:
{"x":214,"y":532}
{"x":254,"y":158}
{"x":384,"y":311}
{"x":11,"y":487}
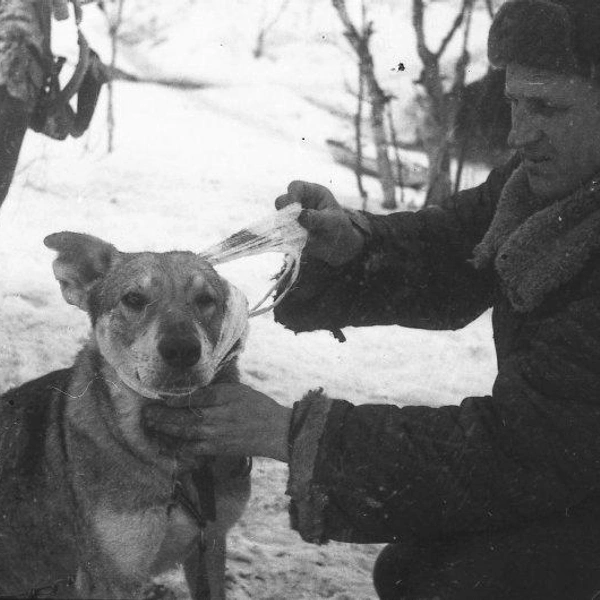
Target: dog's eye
{"x":134,"y":300}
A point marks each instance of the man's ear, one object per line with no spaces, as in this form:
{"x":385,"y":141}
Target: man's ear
{"x":82,"y":260}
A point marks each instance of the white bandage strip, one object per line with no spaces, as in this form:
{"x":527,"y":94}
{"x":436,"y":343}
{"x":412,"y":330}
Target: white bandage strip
{"x":279,"y":232}
{"x":234,"y":330}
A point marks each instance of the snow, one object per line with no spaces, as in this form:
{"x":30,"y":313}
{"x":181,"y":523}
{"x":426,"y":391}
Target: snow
{"x":189,"y":168}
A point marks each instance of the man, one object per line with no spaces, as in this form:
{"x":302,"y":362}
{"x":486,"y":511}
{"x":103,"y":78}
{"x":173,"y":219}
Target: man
{"x":27,"y":77}
{"x":498,"y":498}
{"x":21,"y":73}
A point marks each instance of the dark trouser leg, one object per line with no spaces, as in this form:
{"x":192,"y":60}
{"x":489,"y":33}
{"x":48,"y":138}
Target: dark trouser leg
{"x":13,"y":125}
{"x":556,"y":559}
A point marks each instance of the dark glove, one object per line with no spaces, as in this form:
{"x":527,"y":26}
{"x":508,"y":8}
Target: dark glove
{"x":334,"y":235}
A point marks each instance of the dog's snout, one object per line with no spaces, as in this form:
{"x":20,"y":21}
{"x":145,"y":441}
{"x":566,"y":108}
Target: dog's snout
{"x":180,"y":352}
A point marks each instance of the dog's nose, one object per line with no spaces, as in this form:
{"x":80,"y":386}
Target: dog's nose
{"x":180,"y":352}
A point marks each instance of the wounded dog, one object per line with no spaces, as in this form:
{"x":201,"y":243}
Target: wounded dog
{"x":91,"y":505}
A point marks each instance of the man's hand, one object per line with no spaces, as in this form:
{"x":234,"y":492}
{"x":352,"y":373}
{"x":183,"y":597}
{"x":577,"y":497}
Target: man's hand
{"x":332,"y":236}
{"x":224,"y":419}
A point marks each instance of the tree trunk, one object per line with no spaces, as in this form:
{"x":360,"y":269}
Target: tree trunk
{"x":384,"y":167}
{"x":439,"y":185}
{"x":358,"y":167}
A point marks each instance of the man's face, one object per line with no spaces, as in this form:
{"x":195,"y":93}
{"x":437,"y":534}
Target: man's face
{"x":556,"y":126}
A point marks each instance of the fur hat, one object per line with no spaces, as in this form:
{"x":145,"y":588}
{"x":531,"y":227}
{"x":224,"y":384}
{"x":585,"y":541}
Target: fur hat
{"x":558,"y":35}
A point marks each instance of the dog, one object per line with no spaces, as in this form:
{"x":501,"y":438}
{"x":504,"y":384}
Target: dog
{"x":91,"y":505}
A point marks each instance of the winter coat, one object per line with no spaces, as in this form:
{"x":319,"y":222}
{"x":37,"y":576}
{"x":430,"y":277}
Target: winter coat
{"x":378,"y":473}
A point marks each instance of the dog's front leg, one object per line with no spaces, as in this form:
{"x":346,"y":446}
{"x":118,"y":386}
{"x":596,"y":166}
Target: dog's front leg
{"x":196,"y":574}
{"x":232,"y":491}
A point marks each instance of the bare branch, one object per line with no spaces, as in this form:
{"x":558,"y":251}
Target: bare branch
{"x":460,"y":69}
{"x":265,"y":28}
{"x":358,"y":168}
{"x":452,"y":31}
{"x":113,"y":28}
{"x":418,"y":18}
{"x":351,"y":32}
{"x":282,"y":7}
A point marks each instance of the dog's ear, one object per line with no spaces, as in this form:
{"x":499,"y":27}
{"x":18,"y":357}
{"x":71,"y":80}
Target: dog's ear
{"x":82,"y":260}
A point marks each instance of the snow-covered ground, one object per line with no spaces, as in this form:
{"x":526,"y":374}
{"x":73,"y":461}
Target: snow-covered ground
{"x":190,"y":167}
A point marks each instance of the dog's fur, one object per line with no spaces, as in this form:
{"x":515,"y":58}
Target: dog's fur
{"x":85,"y":492}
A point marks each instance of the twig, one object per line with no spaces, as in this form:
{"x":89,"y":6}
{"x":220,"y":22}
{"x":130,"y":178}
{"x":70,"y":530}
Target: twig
{"x":113,"y":31}
{"x":358,"y":127}
{"x":452,"y":31}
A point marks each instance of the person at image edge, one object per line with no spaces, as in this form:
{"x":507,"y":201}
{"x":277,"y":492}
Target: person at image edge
{"x":499,"y":497}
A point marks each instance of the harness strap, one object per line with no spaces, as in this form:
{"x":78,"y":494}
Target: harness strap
{"x":53,"y":115}
{"x":63,"y":96}
{"x":195,"y":493}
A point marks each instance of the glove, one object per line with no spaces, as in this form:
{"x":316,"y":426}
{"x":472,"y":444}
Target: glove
{"x":333,"y":235}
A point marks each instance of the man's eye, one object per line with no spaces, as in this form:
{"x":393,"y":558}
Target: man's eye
{"x":204,"y":301}
{"x":547,"y":110}
{"x":134,"y":300}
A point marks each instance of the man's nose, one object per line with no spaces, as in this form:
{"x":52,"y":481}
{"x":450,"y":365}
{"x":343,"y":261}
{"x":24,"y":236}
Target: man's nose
{"x":524,"y":130}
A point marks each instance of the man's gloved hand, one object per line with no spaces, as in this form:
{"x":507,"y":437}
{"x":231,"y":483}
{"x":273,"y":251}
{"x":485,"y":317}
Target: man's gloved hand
{"x":332,"y":237}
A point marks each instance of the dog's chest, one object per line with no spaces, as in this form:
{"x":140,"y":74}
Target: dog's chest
{"x":145,"y":543}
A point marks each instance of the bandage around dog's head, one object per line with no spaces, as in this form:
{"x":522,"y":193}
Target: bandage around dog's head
{"x":234,"y":330}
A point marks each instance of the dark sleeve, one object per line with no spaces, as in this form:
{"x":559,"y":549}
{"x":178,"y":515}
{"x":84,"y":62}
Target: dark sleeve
{"x":376,"y":473}
{"x":414,"y":270}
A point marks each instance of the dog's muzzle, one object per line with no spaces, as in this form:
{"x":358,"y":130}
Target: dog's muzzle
{"x":180,"y":352}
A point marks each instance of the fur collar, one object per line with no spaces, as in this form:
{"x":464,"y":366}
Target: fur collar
{"x":534,"y":247}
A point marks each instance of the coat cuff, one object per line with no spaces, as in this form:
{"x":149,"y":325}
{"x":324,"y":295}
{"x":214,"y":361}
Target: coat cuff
{"x":308,"y":499}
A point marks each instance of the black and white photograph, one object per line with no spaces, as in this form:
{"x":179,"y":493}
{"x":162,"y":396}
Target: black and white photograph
{"x":300,"y":299}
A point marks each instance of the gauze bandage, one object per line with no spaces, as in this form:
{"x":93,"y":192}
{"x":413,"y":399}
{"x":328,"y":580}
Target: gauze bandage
{"x":279,"y":232}
{"x":233,"y":331}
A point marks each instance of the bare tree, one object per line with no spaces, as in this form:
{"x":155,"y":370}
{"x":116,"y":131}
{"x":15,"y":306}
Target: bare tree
{"x":360,"y":40}
{"x":114,"y":17}
{"x":441,"y":106}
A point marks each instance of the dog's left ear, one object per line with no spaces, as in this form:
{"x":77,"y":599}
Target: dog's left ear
{"x":82,"y":260}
